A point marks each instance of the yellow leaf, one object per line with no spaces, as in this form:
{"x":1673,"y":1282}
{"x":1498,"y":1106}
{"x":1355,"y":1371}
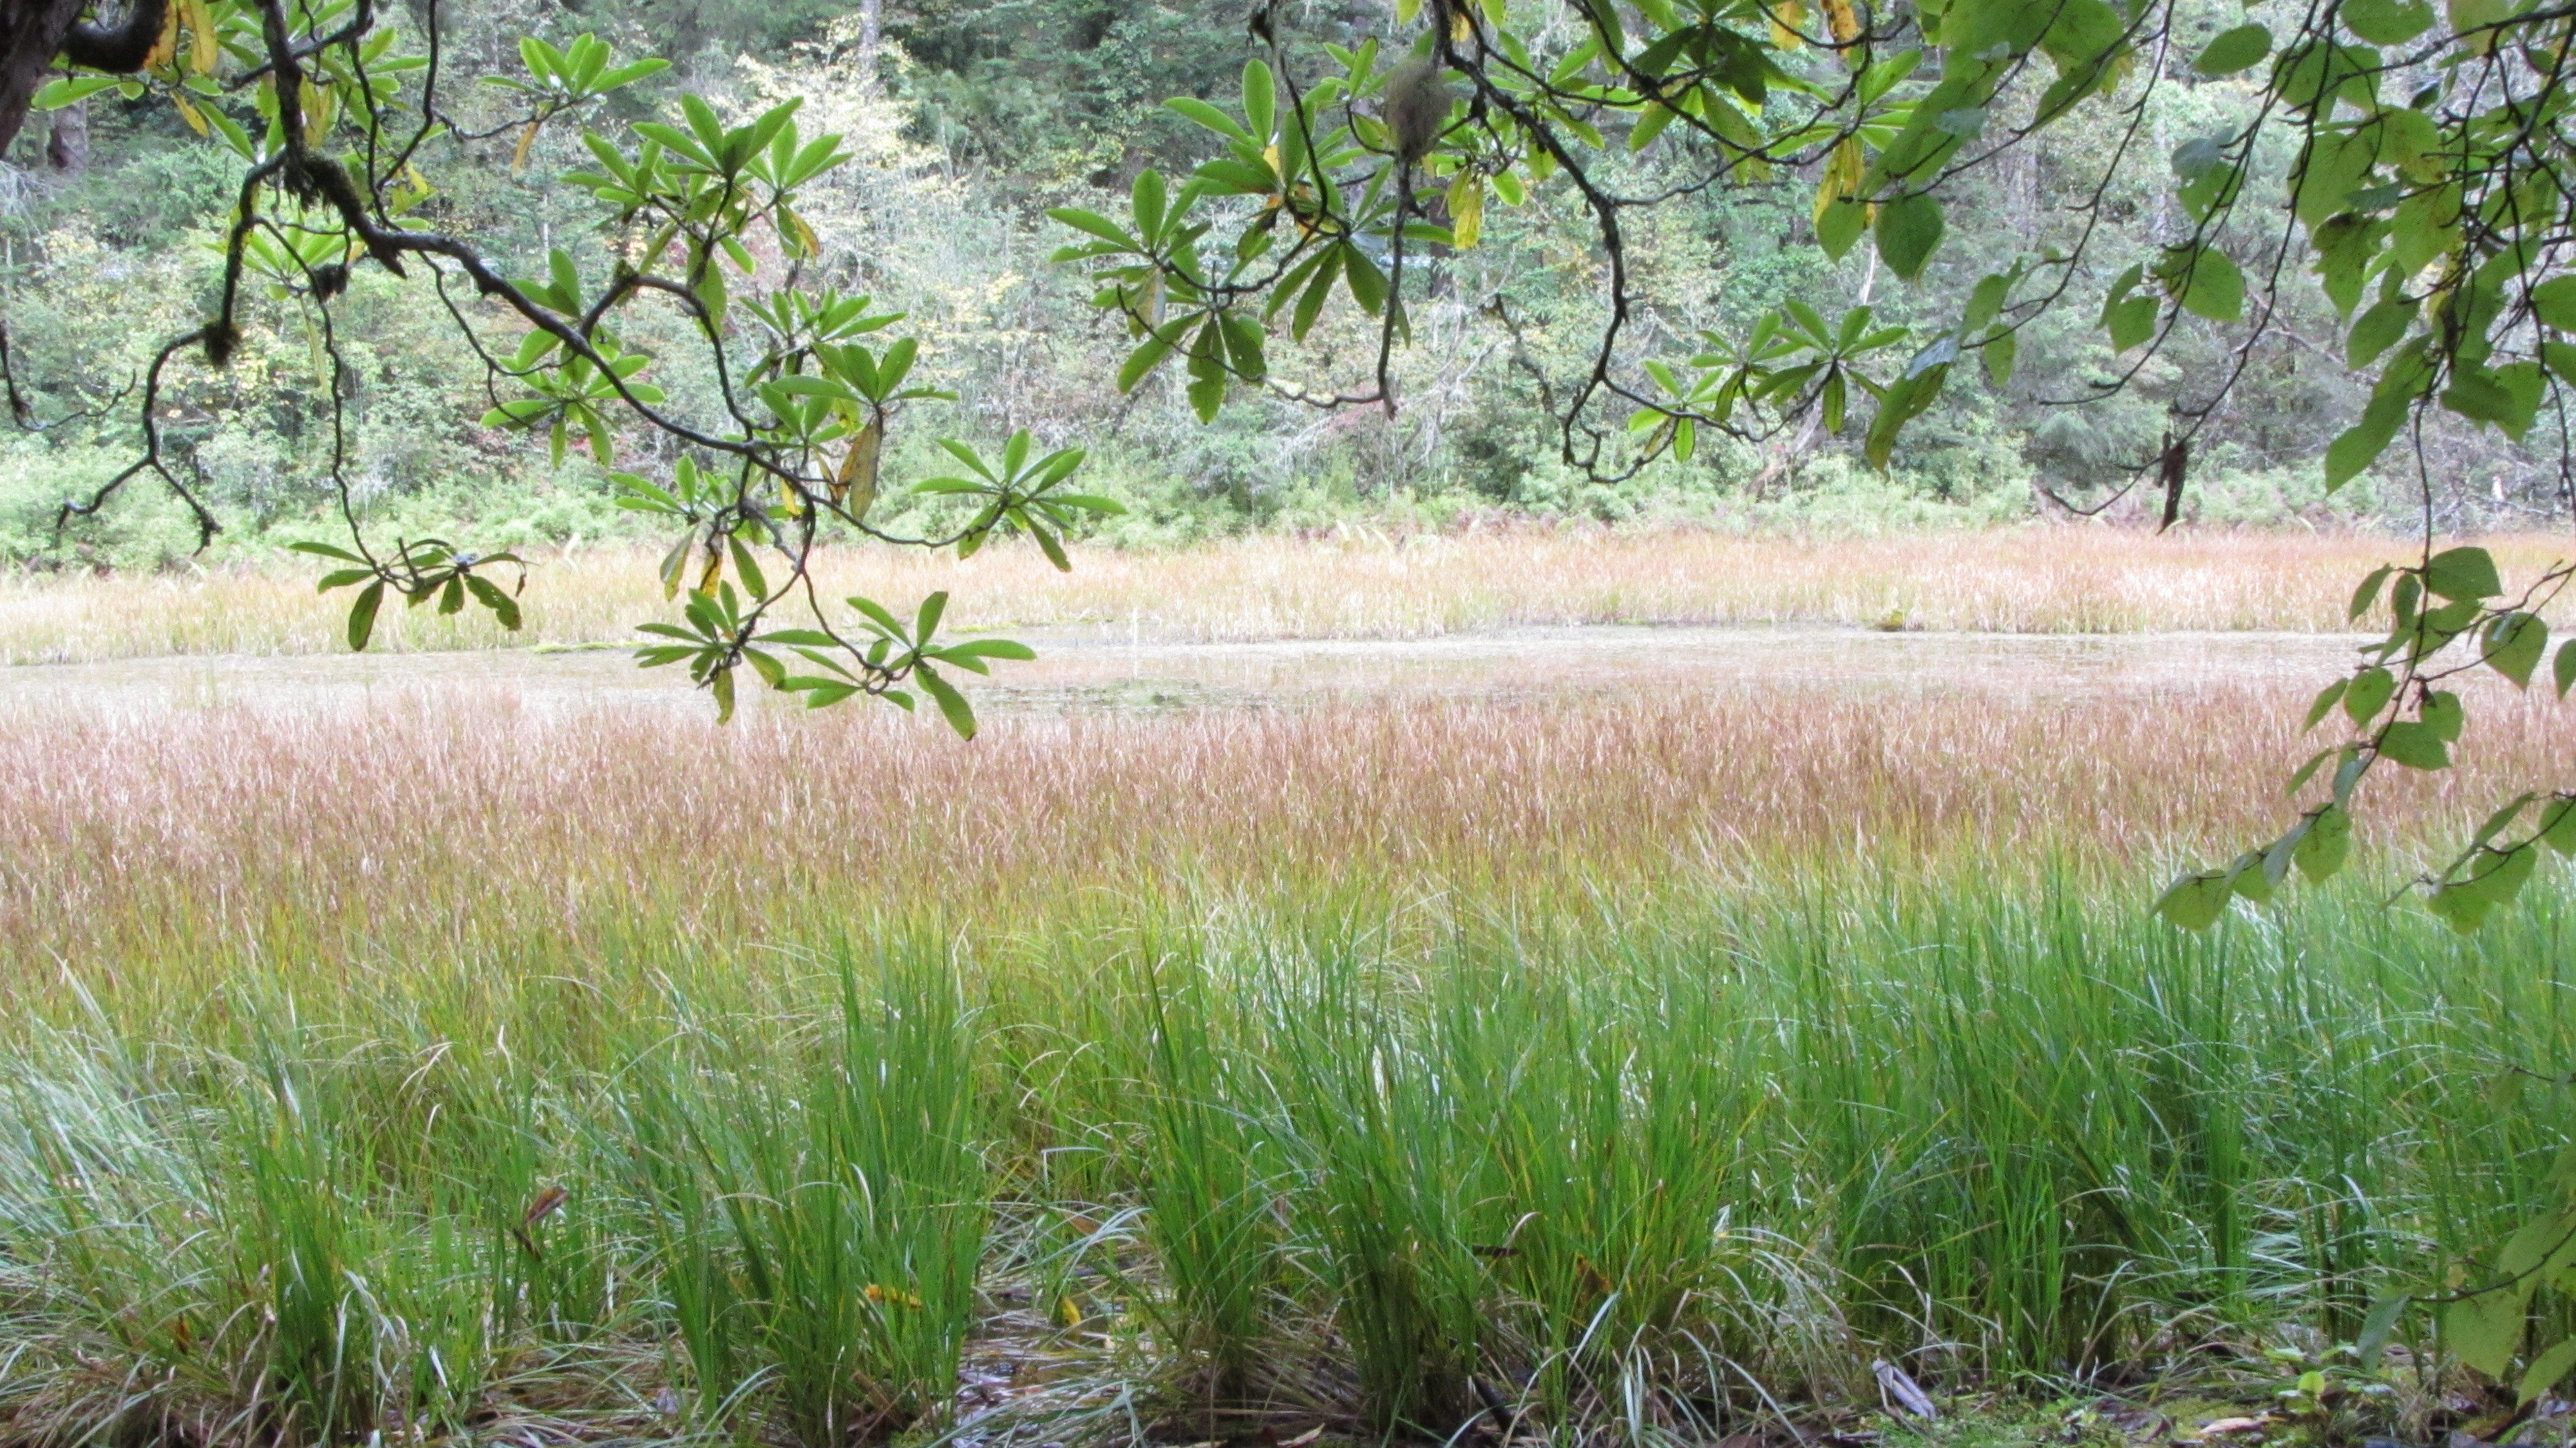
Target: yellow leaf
{"x":856,"y":488}
{"x":1068,"y":1313}
{"x":895,"y":1295}
{"x":202,"y":52}
{"x":1787,"y":17}
{"x":1844,"y":19}
{"x":527,"y":138}
{"x":166,"y":47}
{"x":1466,"y":209}
{"x":1842,"y":176}
{"x":804,"y":232}
{"x":321,"y":108}
{"x":188,"y":113}
{"x":1462,"y":28}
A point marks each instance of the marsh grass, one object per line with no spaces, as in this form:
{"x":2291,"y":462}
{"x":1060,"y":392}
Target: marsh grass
{"x":1603,"y":1069}
{"x":2038,"y":579}
{"x":1619,"y":1185}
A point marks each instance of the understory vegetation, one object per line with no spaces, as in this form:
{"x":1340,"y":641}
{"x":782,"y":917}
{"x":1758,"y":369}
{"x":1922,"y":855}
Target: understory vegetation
{"x":966,"y":122}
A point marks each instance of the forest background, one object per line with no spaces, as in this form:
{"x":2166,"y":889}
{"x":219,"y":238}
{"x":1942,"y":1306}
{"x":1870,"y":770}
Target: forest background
{"x":969,"y":119}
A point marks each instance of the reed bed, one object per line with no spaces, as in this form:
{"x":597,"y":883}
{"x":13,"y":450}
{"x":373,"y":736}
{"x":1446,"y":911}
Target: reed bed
{"x":1602,"y":1069}
{"x":330,"y":835}
{"x":1568,"y":1064}
{"x":1358,"y":584}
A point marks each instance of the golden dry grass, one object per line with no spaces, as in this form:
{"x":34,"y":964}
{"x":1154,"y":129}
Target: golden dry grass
{"x":457,"y":824}
{"x":2042,"y":579}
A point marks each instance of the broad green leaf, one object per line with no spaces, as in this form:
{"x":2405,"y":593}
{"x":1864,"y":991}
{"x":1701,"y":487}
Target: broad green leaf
{"x":2563,"y":668}
{"x":2547,"y":1369}
{"x":362,"y":614}
{"x":2239,"y":49}
{"x":2326,"y":845}
{"x":1908,"y":230}
{"x":2514,"y":644}
{"x":2484,"y":1329}
{"x":2387,"y":22}
{"x":2205,"y":281}
{"x":2443,"y":715}
{"x":2415,"y":745}
{"x":2369,"y":693}
{"x":2195,"y":901}
{"x":2130,"y":322}
{"x":2463,"y":575}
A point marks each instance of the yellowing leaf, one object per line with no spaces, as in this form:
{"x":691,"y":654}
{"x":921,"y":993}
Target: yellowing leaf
{"x":895,"y":1295}
{"x":1845,"y":21}
{"x":527,"y":138}
{"x":1787,"y":19}
{"x":166,"y":48}
{"x":856,"y":488}
{"x":1842,"y":176}
{"x":1466,"y":209}
{"x":202,"y":52}
{"x":188,"y":113}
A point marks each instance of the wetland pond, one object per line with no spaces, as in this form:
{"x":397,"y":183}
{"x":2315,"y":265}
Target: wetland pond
{"x":1095,"y":670}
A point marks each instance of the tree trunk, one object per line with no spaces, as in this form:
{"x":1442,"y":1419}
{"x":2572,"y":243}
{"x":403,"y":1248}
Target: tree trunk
{"x":33,"y":32}
{"x":871,"y":39}
{"x":67,"y":150}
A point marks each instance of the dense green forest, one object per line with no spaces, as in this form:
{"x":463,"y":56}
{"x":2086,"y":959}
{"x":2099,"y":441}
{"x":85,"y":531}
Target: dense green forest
{"x":969,"y":118}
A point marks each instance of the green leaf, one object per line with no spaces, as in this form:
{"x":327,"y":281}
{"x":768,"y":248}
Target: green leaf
{"x":2327,"y":698}
{"x":2387,"y":22}
{"x":2415,"y":745}
{"x":2514,"y":644}
{"x":2558,"y":825}
{"x":2563,"y":669}
{"x":2443,"y":715}
{"x":362,"y":614}
{"x":1839,"y":225}
{"x":2368,"y":593}
{"x":2130,"y":322}
{"x":1094,"y":223}
{"x":960,"y":715}
{"x":1259,"y":105}
{"x":2368,"y":694}
{"x":2195,"y":901}
{"x":2484,"y":1329}
{"x":2239,"y":49}
{"x":2379,"y":1324}
{"x":2205,"y":281}
{"x":2554,"y":302}
{"x":747,"y":568}
{"x":501,"y":604}
{"x":2326,"y":845}
{"x":2463,"y":575}
{"x":2547,"y":1369}
{"x":1909,"y":227}
{"x":325,"y":550}
{"x":2381,"y":327}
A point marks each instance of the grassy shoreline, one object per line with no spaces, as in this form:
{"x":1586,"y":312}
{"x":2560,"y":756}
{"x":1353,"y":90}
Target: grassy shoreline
{"x":2025,"y":580}
{"x":1603,"y":1067}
